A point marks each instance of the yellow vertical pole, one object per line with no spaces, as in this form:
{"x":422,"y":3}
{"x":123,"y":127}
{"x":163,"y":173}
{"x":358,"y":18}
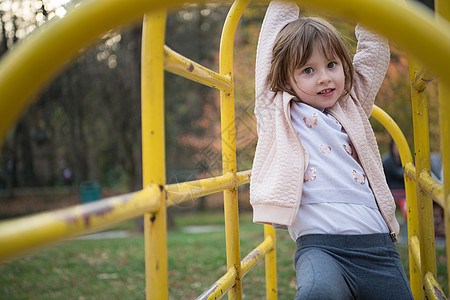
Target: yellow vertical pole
{"x":271,"y":265}
{"x":413,"y":230}
{"x":228,"y":130}
{"x":153,"y":151}
{"x":422,"y":162}
{"x":442,"y":7}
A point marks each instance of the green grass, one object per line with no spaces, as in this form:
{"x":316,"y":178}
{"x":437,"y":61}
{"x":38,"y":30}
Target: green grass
{"x":114,"y":268}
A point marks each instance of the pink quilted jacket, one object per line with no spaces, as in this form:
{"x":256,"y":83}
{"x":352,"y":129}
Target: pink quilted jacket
{"x":280,"y":158}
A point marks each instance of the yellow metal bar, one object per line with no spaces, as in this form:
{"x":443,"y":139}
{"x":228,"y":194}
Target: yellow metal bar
{"x":444,"y":120}
{"x":180,"y":65}
{"x":422,"y":161}
{"x":22,"y":235}
{"x":271,"y":265}
{"x":432,"y":187}
{"x":421,"y":80}
{"x":410,"y":190}
{"x":26,"y":234}
{"x":415,"y":266}
{"x":410,"y":170}
{"x":243,"y":177}
{"x":228,"y":131}
{"x":180,"y":192}
{"x":428,"y":184}
{"x":256,"y":255}
{"x":220,"y":287}
{"x":396,"y":133}
{"x":442,"y":7}
{"x":414,"y":246}
{"x":415,"y":277}
{"x":153,"y":151}
{"x":432,"y":288}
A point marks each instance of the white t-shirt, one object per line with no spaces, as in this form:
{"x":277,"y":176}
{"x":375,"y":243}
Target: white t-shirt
{"x":336,"y":196}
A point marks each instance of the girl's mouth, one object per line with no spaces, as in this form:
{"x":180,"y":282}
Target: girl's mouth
{"x":325,"y":91}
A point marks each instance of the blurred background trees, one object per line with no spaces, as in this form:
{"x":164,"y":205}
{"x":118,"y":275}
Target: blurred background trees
{"x":86,"y":124}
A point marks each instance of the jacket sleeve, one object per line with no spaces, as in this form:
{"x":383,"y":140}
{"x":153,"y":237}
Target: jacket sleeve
{"x":278,"y":14}
{"x":370,"y":62}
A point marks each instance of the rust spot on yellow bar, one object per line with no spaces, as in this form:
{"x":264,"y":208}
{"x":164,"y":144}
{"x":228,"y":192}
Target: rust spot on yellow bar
{"x":438,"y":294}
{"x":191,"y":68}
{"x":432,"y":287}
{"x":98,"y":212}
{"x":255,"y":254}
{"x":88,"y":212}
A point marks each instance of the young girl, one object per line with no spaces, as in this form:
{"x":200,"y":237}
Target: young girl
{"x":317,"y":169}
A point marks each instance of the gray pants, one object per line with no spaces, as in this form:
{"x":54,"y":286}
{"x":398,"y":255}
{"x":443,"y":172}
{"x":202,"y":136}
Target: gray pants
{"x":349,"y":267}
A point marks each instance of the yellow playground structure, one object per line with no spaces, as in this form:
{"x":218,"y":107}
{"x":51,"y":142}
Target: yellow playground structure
{"x":426,"y":37}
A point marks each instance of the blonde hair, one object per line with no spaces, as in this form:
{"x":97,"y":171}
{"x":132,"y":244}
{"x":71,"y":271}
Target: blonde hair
{"x":294,"y":45}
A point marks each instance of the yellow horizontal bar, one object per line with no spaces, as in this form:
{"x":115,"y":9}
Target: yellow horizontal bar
{"x":22,"y":235}
{"x":181,"y":192}
{"x":180,"y":65}
{"x":256,"y":255}
{"x":25,"y":234}
{"x":430,"y":185}
{"x":432,"y":287}
{"x":433,"y":187}
{"x":422,"y":79}
{"x":221,"y":287}
{"x":414,"y":245}
{"x":243,"y":177}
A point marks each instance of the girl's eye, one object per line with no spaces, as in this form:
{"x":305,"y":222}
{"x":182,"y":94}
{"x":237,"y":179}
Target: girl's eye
{"x":308,"y":70}
{"x":331,"y":65}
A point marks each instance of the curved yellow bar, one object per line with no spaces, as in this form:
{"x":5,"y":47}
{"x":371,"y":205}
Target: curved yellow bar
{"x":395,"y":132}
{"x":228,"y":132}
{"x":50,"y":47}
{"x":410,"y":189}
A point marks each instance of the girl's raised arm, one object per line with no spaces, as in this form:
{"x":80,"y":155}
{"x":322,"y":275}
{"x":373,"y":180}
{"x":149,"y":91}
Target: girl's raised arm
{"x":277,"y":16}
{"x":371,"y":62}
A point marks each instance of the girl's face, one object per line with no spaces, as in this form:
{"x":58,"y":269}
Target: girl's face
{"x":320,"y":82}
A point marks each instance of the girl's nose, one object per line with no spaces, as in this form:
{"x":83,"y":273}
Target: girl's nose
{"x":324,"y":77}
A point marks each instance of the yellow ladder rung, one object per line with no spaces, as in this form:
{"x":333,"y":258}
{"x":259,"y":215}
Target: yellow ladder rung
{"x":180,"y":65}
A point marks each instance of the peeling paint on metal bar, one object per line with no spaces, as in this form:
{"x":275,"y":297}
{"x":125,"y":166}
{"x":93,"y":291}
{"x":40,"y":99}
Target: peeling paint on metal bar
{"x":256,"y":255}
{"x":220,"y":287}
{"x":432,"y":287}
